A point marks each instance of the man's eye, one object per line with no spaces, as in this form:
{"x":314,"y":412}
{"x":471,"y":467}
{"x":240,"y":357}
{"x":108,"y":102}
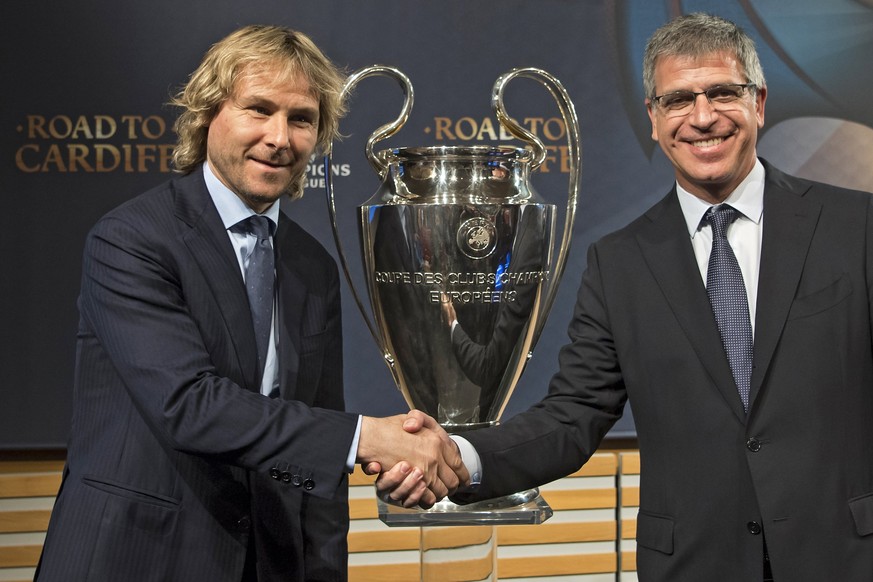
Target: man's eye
{"x":677,"y":100}
{"x":303,"y":120}
{"x":723,"y":94}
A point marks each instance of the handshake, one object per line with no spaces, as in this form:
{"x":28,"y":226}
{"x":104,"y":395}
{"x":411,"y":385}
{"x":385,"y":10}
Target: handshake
{"x":417,"y":462}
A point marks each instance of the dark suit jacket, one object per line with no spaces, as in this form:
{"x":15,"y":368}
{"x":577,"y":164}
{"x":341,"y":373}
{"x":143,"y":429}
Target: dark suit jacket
{"x":799,"y":465}
{"x":168,"y":473}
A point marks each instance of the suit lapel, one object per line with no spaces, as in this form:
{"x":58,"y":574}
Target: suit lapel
{"x":789,"y":224}
{"x":291,"y":295}
{"x":211,"y":249}
{"x":667,"y":250}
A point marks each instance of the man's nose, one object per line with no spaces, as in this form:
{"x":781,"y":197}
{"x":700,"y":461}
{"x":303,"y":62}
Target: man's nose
{"x":277,"y":134}
{"x":703,"y":114}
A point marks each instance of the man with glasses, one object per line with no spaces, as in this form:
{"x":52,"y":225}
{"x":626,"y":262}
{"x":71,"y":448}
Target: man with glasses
{"x":735,"y":316}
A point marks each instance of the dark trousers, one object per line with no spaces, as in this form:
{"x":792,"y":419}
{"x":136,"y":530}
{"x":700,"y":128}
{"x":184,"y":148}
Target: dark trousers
{"x":768,"y":574}
{"x":250,"y":571}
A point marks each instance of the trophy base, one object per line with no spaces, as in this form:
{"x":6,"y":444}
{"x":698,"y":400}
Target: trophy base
{"x":524,"y":507}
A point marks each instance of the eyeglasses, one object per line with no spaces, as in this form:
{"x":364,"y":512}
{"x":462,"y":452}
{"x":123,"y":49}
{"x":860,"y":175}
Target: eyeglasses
{"x":720,"y":97}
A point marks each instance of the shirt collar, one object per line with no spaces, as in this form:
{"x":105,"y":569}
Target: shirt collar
{"x":230,"y":207}
{"x":748,"y":198}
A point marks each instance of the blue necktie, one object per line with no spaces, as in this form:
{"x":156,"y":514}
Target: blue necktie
{"x":727,"y":294}
{"x":260,"y":274}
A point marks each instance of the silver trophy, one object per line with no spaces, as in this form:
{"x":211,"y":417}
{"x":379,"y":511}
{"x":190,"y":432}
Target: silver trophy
{"x":459,"y":260}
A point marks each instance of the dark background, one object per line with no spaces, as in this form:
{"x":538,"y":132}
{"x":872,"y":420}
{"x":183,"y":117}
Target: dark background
{"x":71,"y":67}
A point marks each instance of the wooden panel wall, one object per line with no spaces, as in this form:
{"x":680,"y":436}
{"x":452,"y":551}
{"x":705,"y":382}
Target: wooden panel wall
{"x":588,"y":539}
{"x":629,"y":495}
{"x":579,"y":541}
{"x":27,"y":490}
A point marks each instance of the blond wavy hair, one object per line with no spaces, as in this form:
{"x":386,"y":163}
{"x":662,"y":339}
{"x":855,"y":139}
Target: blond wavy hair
{"x":213,"y":82}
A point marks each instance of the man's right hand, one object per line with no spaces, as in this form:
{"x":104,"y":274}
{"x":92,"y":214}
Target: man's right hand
{"x":417,"y":461}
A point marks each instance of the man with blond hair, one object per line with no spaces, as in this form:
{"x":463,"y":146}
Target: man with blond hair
{"x":208,"y":439}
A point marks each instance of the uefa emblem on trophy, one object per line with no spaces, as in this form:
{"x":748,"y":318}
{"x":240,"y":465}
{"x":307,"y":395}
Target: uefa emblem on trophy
{"x":459,"y":259}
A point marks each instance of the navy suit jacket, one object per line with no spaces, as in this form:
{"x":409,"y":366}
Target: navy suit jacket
{"x":798,"y":466}
{"x":176,"y":462}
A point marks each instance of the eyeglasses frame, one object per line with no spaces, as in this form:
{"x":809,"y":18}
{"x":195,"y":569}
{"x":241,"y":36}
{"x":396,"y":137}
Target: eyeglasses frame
{"x":657,"y":99}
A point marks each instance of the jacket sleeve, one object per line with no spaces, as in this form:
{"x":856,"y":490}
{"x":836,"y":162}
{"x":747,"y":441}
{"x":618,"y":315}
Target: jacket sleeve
{"x":586,"y":397}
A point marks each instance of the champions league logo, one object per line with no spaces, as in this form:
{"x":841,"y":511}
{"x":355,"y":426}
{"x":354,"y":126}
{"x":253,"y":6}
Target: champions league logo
{"x":315,"y":173}
{"x":477,"y":238}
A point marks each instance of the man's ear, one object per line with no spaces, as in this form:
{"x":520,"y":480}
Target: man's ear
{"x":650,"y":109}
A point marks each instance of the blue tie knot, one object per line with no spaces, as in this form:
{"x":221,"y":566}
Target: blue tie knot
{"x":260,"y":226}
{"x":719,"y":217}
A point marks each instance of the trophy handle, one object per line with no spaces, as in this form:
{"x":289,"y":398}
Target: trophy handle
{"x":381,"y":168}
{"x":389,"y":129}
{"x":571,"y":123}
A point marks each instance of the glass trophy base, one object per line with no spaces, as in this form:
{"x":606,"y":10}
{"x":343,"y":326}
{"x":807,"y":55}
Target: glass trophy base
{"x":524,"y":507}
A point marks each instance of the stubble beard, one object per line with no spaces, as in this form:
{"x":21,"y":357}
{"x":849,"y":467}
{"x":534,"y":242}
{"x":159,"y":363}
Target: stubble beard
{"x":293,"y":189}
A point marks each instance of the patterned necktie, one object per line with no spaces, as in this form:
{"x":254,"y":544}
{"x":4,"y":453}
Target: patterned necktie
{"x":260,"y":274}
{"x":727,"y":294}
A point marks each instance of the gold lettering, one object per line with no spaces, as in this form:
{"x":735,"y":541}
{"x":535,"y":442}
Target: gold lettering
{"x":504,"y":135}
{"x":129,"y":121}
{"x":145,"y":153}
{"x":565,"y":158}
{"x":158,"y":131}
{"x":53,"y":157}
{"x":166,"y":156}
{"x":532,"y":124}
{"x":551,"y":125}
{"x":486,"y":128}
{"x":81,"y":126}
{"x":78,"y":153}
{"x":103,"y":151}
{"x":19,"y":158}
{"x":472,"y":125}
{"x":443,"y":125}
{"x":66,"y":124}
{"x":128,"y":167}
{"x":110,"y":126}
{"x":35,"y":127}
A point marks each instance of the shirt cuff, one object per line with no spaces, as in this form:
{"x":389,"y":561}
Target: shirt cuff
{"x":470,"y":458}
{"x":353,"y":451}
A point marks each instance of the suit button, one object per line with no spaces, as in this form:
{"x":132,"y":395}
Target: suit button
{"x":275,"y":473}
{"x":244,"y":523}
{"x":296,"y":481}
{"x":754,"y":527}
{"x":753,"y":445}
{"x":286,"y":476}
{"x":309,"y":484}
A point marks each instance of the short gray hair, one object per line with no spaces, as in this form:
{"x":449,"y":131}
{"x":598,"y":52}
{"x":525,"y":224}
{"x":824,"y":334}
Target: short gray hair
{"x":698,"y":35}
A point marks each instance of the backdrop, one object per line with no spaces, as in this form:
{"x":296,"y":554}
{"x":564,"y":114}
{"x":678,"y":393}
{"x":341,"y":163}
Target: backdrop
{"x":85,"y":127}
